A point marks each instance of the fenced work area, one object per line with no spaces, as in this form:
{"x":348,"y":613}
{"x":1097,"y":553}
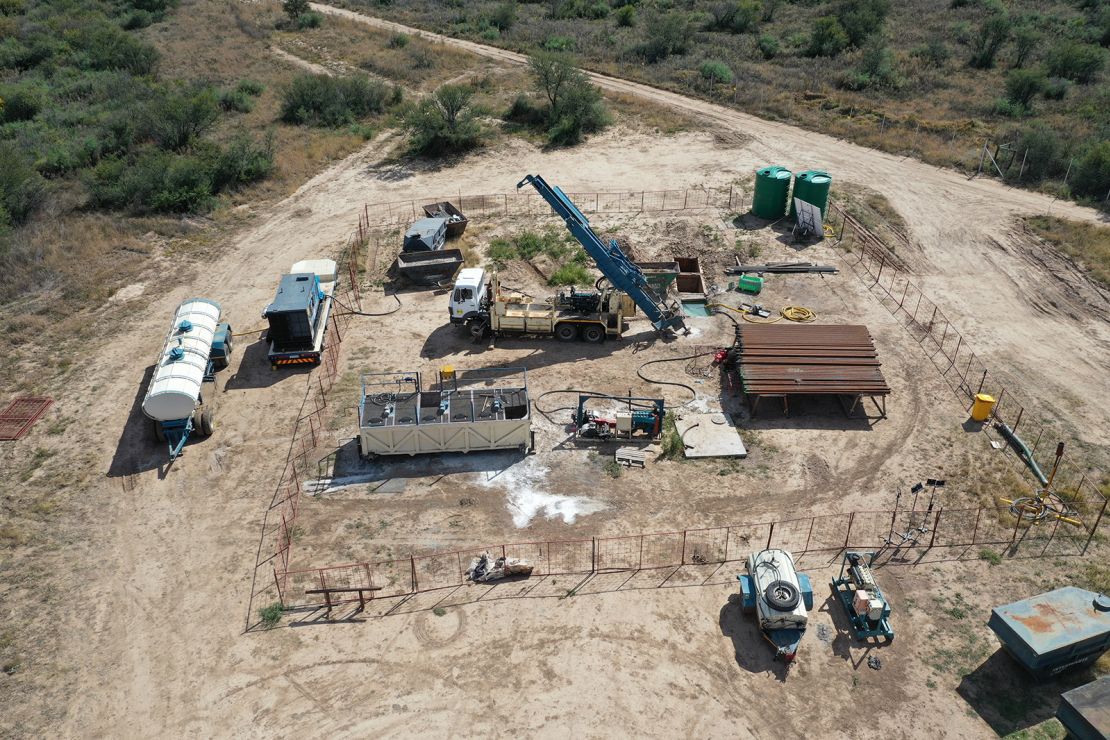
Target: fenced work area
{"x":892,"y":533}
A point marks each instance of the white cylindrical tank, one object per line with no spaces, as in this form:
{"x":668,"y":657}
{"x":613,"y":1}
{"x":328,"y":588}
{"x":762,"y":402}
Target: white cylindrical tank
{"x":175,"y":386}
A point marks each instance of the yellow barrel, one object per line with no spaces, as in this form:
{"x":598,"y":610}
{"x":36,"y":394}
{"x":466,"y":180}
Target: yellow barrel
{"x":981,"y":409}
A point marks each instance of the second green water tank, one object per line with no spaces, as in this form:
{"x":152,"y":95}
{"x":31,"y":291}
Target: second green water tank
{"x":772,"y":186}
{"x":812,"y":186}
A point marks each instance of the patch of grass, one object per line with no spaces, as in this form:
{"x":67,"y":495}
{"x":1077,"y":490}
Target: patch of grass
{"x":555,"y":245}
{"x":612,"y":468}
{"x":1050,"y":729}
{"x":270,"y":615}
{"x":990,"y":556}
{"x":439,"y":611}
{"x":1094,"y":577}
{"x":570,"y":274}
{"x":1087,"y":243}
{"x":673,"y":448}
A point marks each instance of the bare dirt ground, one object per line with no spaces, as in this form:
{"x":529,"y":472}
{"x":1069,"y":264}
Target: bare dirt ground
{"x":134,"y":623}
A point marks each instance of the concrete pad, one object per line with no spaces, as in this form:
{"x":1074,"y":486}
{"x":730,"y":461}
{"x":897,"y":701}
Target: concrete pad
{"x":710,"y":435}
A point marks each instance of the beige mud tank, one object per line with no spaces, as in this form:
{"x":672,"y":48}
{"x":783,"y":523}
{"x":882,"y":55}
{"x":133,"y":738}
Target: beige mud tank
{"x":480,"y":410}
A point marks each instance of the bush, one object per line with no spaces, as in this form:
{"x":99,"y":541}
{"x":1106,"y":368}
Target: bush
{"x":178,"y":119}
{"x":525,"y":112}
{"x":444,"y":122}
{"x":574,"y":104}
{"x":990,"y":37}
{"x":243,"y":161}
{"x":876,"y":69}
{"x":1055,"y":89}
{"x":20,"y":102}
{"x":1074,"y":61}
{"x":295,"y":8}
{"x":236,"y":100}
{"x":309,"y":20}
{"x":626,"y":16}
{"x":22,"y":188}
{"x":270,"y":615}
{"x":503,"y":16}
{"x":1025,"y":42}
{"x":322,"y":100}
{"x":136,"y":19}
{"x":398,"y":41}
{"x":667,"y":34}
{"x":570,"y":274}
{"x":862,"y":18}
{"x":768,"y":46}
{"x":250,"y":87}
{"x":934,"y":53}
{"x":827,"y":38}
{"x":1091,"y":177}
{"x":715,"y":71}
{"x":734,"y":16}
{"x":110,"y":47}
{"x":591,"y":10}
{"x":1041,"y":147}
{"x":1022,"y":85}
{"x":558,"y":43}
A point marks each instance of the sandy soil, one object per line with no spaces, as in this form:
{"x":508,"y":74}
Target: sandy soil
{"x":151,"y":589}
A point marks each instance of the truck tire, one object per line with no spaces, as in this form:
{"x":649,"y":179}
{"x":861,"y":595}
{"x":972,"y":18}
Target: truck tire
{"x":206,"y":423}
{"x":782,"y":596}
{"x":159,"y":433}
{"x":477,"y":329}
{"x":593,"y":333}
{"x":566,"y":332}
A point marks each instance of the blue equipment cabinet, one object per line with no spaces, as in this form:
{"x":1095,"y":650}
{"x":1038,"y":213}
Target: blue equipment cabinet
{"x":1055,"y":631}
{"x":864,"y":604}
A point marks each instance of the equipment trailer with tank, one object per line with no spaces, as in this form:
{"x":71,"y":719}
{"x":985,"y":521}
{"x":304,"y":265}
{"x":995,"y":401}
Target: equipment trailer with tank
{"x":180,"y":399}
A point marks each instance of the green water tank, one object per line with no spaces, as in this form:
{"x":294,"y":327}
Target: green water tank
{"x":750,"y":284}
{"x":772,"y":186}
{"x":812,"y":186}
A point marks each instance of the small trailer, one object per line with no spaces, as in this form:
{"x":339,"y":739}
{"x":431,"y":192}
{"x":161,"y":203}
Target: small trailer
{"x":298,"y":316}
{"x":181,"y":397}
{"x":456,"y":221}
{"x":482,"y":410}
{"x":780,"y":597}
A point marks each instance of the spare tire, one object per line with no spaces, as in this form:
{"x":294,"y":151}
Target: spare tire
{"x":782,"y":595}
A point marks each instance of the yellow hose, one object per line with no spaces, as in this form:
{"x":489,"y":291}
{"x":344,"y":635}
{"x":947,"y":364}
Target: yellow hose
{"x":798,"y":313}
{"x":252,"y":331}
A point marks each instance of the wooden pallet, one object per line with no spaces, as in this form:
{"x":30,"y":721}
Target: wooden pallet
{"x":630,"y":456}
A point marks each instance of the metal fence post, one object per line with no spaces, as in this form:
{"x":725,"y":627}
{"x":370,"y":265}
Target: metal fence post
{"x":848,"y":533}
{"x":412,"y":564}
{"x":1094,"y":528}
{"x":936,"y":525}
{"x":975,"y":529}
{"x":770,"y":534}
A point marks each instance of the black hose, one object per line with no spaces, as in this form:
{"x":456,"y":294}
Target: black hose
{"x":591,"y":394}
{"x":640,"y":371}
{"x":353,"y":312}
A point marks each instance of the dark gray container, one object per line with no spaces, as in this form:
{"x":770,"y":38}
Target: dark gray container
{"x":1085,"y":712}
{"x":426,"y":235}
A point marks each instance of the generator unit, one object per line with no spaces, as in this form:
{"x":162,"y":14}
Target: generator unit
{"x":298,"y":315}
{"x":640,"y":417}
{"x":863,"y":601}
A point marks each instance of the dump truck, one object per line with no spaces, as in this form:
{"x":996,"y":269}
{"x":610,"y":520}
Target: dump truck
{"x":298,"y":315}
{"x":480,"y":303}
{"x":180,"y":400}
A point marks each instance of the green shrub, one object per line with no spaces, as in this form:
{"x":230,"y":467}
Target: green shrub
{"x":574,"y":104}
{"x":1042,"y":148}
{"x":242,"y":161}
{"x":1026,"y":39}
{"x":570,"y":274}
{"x":20,"y":102}
{"x":294,"y":9}
{"x":322,"y":100}
{"x":136,"y":19}
{"x":503,"y":16}
{"x":934,"y":53}
{"x":667,"y":34}
{"x":444,"y":122}
{"x":671,"y":444}
{"x":178,"y":119}
{"x":1074,"y":61}
{"x":626,"y":16}
{"x":270,"y":615}
{"x":398,"y":41}
{"x":525,"y":112}
{"x":1022,"y":85}
{"x":1055,"y":89}
{"x":876,"y":69}
{"x":236,"y":100}
{"x":992,"y":34}
{"x":828,"y":38}
{"x":715,"y":71}
{"x":104,"y":46}
{"x":768,"y":46}
{"x":22,"y":188}
{"x":250,"y":87}
{"x":992,"y":557}
{"x":1091,"y":177}
{"x":862,"y":18}
{"x":736,"y":16}
{"x":589,"y":9}
{"x":309,"y":20}
{"x":558,"y":43}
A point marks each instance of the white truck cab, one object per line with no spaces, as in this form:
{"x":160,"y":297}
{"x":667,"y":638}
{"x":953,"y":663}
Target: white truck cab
{"x":470,"y":292}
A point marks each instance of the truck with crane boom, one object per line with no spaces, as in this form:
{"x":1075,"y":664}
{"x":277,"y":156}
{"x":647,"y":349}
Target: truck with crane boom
{"x":481,"y":304}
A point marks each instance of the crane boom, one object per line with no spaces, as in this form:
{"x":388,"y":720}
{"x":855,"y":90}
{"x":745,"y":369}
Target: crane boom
{"x":610,"y":259}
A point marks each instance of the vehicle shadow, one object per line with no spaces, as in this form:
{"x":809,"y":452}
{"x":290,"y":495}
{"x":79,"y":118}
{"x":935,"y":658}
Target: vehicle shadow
{"x":807,"y":412}
{"x":752,"y":651}
{"x":253,"y":370}
{"x":1009,"y":699}
{"x":449,"y":339}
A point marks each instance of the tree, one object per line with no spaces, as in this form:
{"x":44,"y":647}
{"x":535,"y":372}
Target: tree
{"x":295,"y":8}
{"x":989,"y":39}
{"x":734,"y":16}
{"x":667,"y":34}
{"x":1022,"y":85}
{"x":574,"y":104}
{"x":444,"y":123}
{"x":22,"y":188}
{"x":1075,"y":61}
{"x":827,"y":39}
{"x":861,"y":18}
{"x":1092,"y":172}
{"x":552,"y":73}
{"x":177,"y":120}
{"x":769,"y":8}
{"x":1025,"y":42}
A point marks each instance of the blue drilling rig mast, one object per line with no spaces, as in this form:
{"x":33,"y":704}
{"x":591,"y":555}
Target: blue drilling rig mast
{"x":614,"y":264}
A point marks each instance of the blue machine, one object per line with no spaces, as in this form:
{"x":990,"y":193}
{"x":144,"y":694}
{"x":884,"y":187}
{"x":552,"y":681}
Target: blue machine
{"x":613,"y":263}
{"x":1056,"y":631}
{"x":644,"y":416}
{"x":863,"y":601}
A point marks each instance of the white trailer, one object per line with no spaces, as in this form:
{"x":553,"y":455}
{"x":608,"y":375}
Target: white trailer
{"x":483,"y":410}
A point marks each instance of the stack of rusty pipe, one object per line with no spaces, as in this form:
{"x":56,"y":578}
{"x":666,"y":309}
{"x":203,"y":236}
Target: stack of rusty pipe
{"x":809,"y":359}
